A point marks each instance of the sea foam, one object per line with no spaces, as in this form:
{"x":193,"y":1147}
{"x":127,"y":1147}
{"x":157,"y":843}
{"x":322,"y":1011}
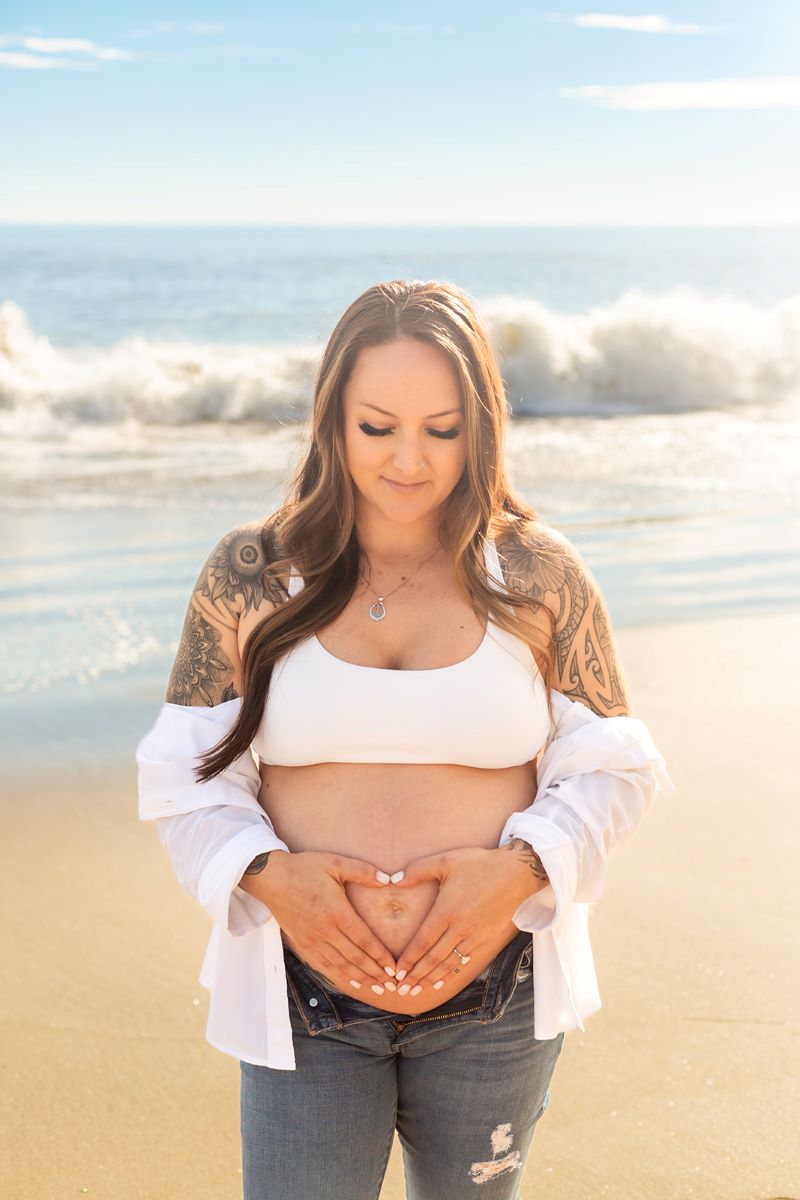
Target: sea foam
{"x":676,"y":351}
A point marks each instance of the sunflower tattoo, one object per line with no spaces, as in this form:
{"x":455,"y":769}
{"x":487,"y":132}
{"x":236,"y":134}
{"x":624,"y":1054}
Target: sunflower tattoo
{"x":235,"y":568}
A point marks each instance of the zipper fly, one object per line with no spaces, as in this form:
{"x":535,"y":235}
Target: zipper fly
{"x":441,"y":1017}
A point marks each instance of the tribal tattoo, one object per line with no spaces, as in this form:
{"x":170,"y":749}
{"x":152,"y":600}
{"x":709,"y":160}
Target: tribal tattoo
{"x":541,"y":563}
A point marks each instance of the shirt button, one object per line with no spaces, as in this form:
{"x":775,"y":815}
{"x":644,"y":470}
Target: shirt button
{"x":313,"y":1002}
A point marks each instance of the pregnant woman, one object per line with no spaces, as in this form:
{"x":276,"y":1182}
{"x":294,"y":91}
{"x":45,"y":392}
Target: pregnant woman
{"x":395,"y":750}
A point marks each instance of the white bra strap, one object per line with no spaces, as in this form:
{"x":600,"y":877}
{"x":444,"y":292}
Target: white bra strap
{"x":492,"y":561}
{"x":296,"y":582}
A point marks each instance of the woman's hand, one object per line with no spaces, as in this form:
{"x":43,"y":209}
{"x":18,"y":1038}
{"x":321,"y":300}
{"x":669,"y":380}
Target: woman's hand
{"x":305,"y":893}
{"x":479,"y":892}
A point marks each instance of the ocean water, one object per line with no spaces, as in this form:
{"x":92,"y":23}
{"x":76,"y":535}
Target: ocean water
{"x":154,"y":385}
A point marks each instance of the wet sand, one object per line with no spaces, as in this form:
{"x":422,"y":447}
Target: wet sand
{"x":685,"y":1084}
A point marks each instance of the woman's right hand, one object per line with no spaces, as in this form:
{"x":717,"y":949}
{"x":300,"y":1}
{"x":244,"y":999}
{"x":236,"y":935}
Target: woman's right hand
{"x":305,"y":893}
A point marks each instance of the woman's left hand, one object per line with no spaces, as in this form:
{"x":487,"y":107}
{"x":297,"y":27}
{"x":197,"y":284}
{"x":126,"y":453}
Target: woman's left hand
{"x":479,"y":892}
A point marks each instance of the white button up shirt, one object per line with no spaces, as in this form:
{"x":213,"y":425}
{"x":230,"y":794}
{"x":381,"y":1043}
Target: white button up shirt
{"x":597,"y":777}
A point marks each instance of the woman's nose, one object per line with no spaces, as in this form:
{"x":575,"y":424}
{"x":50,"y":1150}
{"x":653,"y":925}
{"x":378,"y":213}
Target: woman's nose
{"x":408,"y":457}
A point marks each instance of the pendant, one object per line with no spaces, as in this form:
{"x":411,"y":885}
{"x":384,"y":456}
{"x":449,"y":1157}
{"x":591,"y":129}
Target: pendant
{"x":377,"y":610}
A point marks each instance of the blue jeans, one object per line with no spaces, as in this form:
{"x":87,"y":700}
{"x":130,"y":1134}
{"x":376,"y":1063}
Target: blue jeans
{"x":463,"y":1084}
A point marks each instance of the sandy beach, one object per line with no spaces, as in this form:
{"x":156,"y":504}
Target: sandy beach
{"x":685,"y":1084}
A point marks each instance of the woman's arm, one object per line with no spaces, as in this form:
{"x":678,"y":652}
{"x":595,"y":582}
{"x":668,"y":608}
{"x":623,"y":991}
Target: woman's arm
{"x":600,"y":769}
{"x":596,"y":777}
{"x":211,"y":831}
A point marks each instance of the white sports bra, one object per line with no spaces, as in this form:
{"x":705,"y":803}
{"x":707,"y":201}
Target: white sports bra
{"x":488,"y":710}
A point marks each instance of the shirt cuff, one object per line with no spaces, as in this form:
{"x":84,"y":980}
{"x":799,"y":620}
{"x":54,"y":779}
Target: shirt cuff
{"x":546,"y":907}
{"x":225,"y":902}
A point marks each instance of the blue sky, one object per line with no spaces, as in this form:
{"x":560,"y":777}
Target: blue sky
{"x":675,"y":113}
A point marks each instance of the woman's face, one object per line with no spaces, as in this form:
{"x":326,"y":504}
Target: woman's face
{"x":404,"y":423}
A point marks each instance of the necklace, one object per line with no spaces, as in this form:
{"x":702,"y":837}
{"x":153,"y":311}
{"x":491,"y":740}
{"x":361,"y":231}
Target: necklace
{"x":377,"y":611}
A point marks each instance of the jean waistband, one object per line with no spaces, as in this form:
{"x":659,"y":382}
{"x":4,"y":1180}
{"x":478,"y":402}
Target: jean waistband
{"x":323,"y":1008}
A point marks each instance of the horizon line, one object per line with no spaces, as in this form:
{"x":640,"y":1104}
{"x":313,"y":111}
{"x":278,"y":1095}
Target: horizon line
{"x":759,"y":223}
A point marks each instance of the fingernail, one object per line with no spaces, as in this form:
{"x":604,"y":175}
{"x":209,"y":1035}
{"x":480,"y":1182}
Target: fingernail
{"x":382,"y":877}
{"x":439,"y":983}
{"x":400,"y":974}
{"x":389,"y":971}
{"x":376,"y":987}
{"x":401,"y":991}
{"x":398,"y":875}
{"x":355,"y":983}
{"x":390,"y":987}
{"x":415,"y":991}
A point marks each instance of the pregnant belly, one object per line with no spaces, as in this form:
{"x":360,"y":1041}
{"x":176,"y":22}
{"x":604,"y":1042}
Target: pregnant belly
{"x":395,"y":919}
{"x":389,"y":815}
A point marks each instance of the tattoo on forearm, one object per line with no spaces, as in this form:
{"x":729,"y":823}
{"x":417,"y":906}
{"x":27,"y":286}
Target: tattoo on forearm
{"x":529,"y":856}
{"x":258,"y":864}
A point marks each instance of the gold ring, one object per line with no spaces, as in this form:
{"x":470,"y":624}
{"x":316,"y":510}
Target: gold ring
{"x":465,"y":958}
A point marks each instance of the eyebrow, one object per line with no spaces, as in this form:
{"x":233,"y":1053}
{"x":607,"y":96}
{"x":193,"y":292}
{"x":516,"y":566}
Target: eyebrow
{"x":446,"y":412}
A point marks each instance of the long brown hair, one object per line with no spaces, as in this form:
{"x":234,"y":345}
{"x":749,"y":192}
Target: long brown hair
{"x":314,"y":528}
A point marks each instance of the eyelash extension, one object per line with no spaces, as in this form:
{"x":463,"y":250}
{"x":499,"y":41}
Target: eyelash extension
{"x":371,"y":431}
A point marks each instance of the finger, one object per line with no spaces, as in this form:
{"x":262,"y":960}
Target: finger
{"x":415,"y":961}
{"x":356,"y":870}
{"x":421,"y":869}
{"x":439,"y":958}
{"x":348,"y":963}
{"x":446,"y":965}
{"x":370,"y":954}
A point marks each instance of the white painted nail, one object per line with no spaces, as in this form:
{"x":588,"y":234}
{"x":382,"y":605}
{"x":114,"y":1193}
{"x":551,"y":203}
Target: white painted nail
{"x":400,"y":974}
{"x":376,"y":987}
{"x":403,"y":989}
{"x":415,"y":991}
{"x":382,"y":877}
{"x":390,"y":987}
{"x":354,"y":983}
{"x":389,"y":971}
{"x":398,"y":875}
{"x":439,"y":983}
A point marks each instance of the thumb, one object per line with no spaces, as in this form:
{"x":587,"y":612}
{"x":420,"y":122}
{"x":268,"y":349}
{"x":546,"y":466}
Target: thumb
{"x":430,"y":867}
{"x":357,"y":870}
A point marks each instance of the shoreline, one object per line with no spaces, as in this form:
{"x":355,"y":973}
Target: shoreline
{"x":109,"y":1085}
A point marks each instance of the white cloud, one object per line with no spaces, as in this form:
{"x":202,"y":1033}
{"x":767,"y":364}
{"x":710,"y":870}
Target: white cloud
{"x":769,"y":91}
{"x":42,"y":47}
{"x":653,"y":23}
{"x":40,"y":62}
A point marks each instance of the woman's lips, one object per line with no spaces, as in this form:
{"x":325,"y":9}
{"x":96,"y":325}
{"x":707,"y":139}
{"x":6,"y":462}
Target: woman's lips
{"x":403,"y":487}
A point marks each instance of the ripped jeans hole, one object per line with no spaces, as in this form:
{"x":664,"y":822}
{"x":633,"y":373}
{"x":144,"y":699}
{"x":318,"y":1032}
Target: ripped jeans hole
{"x":501,"y":1140}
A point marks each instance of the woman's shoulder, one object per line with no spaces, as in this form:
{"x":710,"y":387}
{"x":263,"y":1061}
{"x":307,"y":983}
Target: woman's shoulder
{"x":543,"y":563}
{"x":235,"y":568}
{"x":535,"y":557}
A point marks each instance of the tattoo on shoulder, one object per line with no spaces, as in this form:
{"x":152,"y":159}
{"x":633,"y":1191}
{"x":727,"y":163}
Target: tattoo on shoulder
{"x":235,"y":568}
{"x":586,"y":658}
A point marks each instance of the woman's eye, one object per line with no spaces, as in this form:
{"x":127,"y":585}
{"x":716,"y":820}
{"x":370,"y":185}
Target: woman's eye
{"x":372,"y":431}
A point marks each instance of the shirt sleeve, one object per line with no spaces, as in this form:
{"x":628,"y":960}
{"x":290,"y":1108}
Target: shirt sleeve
{"x":597,"y":778}
{"x":210,"y":830}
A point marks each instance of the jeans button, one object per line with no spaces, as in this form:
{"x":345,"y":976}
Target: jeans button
{"x":313,"y":1002}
